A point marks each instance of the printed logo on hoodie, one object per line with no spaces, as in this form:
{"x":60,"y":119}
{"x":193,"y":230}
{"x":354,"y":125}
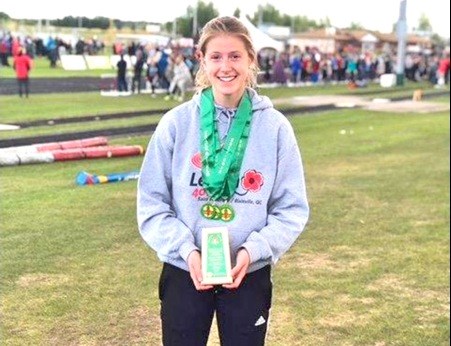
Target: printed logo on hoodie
{"x":251,"y":182}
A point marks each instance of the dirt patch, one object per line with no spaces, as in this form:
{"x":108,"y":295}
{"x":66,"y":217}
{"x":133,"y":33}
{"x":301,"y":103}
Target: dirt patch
{"x":344,"y":319}
{"x":408,"y":107}
{"x":402,"y":288}
{"x":324,"y":261}
{"x":376,"y":104}
{"x":41,"y":279}
{"x":146,"y":326}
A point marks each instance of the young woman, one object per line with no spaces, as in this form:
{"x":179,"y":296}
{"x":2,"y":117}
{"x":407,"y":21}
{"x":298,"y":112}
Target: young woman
{"x":225,"y":158}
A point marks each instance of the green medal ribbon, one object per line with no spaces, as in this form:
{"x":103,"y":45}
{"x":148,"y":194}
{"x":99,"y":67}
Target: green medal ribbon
{"x":221,"y":165}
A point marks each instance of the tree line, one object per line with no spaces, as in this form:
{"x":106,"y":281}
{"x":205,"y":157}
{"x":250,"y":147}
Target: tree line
{"x":188,"y":25}
{"x":183,"y":25}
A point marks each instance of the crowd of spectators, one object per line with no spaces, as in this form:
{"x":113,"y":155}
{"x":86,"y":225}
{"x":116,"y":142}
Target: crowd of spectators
{"x":292,"y":67}
{"x":313,"y":66}
{"x":169,"y":68}
{"x":155,"y":66}
{"x":51,"y":47}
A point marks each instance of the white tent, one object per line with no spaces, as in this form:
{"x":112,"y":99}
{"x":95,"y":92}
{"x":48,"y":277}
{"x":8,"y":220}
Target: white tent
{"x":260,"y":39}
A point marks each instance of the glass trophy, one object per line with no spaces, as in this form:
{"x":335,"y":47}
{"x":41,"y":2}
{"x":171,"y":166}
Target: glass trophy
{"x":216,"y":266}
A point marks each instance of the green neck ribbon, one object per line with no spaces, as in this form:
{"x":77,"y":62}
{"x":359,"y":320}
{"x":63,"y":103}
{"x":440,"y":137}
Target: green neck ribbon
{"x":221,"y":164}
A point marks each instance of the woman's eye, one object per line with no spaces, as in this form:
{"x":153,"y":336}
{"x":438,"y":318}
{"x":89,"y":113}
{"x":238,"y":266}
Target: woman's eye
{"x":215,"y":57}
{"x":235,"y":57}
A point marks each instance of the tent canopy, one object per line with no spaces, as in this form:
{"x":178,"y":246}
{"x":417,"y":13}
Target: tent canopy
{"x":260,"y":39}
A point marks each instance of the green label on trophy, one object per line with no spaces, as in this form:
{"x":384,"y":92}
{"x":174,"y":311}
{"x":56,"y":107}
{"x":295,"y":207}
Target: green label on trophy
{"x":216,"y":266}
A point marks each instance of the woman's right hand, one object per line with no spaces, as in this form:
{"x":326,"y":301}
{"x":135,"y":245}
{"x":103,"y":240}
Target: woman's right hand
{"x":195,"y":270}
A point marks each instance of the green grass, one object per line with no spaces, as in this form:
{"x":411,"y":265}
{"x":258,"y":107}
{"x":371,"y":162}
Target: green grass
{"x":41,"y":69}
{"x":80,"y":126}
{"x":372,"y":267}
{"x":443,"y":99}
{"x":66,"y":105}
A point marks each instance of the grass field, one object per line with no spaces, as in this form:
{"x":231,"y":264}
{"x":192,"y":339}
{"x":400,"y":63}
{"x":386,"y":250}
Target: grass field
{"x":41,"y":68}
{"x":372,"y":267}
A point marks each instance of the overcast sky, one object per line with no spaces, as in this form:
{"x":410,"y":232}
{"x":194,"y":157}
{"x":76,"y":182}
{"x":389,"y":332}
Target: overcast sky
{"x":372,"y":14}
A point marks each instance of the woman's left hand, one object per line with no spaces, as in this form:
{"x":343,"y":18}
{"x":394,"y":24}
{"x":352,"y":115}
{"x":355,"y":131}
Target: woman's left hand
{"x":239,"y":271}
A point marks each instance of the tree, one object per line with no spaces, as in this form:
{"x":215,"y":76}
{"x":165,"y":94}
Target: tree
{"x":302,"y":24}
{"x":325,"y":23}
{"x":205,"y":12}
{"x":99,"y":22}
{"x":424,"y":24}
{"x":73,"y":22}
{"x":438,"y":42}
{"x":4,"y":16}
{"x":356,"y":26}
{"x":269,"y":15}
{"x":118,"y":24}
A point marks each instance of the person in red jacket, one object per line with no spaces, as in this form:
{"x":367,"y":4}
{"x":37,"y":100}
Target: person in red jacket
{"x":443,"y":70}
{"x":22,"y":66}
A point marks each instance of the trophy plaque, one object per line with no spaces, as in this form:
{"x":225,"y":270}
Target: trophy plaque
{"x":216,"y":266}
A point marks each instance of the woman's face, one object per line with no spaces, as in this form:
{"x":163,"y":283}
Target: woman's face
{"x":226,"y":63}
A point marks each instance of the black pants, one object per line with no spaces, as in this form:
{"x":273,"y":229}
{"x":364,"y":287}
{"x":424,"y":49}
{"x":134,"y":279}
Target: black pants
{"x":122,"y":84}
{"x":24,"y":86}
{"x":136,"y":84}
{"x":187,"y":314}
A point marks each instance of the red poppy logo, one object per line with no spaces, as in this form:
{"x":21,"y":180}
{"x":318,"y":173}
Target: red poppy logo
{"x":196,"y":160}
{"x":252,"y":181}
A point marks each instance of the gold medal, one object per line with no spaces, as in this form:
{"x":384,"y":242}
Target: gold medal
{"x":227,"y":213}
{"x":223,"y":213}
{"x":209,"y":211}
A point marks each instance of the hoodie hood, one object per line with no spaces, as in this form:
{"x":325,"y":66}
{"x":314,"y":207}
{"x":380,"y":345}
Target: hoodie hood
{"x":259,"y":102}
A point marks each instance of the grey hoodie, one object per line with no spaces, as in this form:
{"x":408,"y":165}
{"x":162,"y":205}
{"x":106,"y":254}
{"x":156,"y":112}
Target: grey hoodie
{"x":270,"y":201}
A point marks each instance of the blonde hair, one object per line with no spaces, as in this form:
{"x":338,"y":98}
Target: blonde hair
{"x":225,"y":26}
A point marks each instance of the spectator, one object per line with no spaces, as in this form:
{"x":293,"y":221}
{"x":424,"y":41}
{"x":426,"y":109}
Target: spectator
{"x":296,"y":68}
{"x":52,"y":49}
{"x":121,"y":72}
{"x":137,"y":71}
{"x":181,"y":79}
{"x":152,"y":75}
{"x":443,"y":70}
{"x":15,"y":46}
{"x":278,"y":68}
{"x":22,"y":66}
{"x":4,"y":52}
{"x":162,"y":59}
